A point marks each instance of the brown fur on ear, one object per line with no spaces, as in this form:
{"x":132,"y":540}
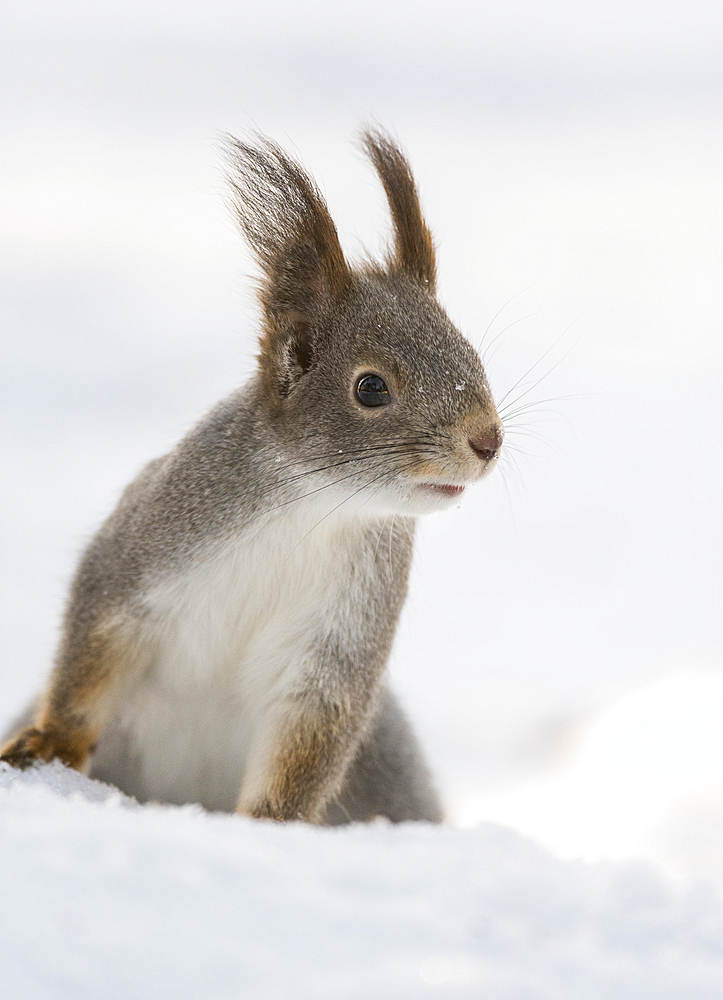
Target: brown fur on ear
{"x":414,"y":248}
{"x":285,"y":220}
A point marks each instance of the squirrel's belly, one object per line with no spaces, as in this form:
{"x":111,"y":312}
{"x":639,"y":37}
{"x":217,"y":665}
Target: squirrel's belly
{"x":183,"y":733}
{"x":176,"y":747}
{"x":225,"y":641}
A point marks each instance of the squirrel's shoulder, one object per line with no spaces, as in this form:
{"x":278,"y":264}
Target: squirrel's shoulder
{"x":213,"y":479}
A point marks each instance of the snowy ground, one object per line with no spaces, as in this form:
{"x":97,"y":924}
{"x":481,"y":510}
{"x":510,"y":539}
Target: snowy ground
{"x":561,"y":648}
{"x":160,"y":902}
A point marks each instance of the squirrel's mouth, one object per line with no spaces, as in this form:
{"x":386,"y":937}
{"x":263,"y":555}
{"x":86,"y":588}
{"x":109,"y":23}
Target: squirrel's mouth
{"x":444,"y":491}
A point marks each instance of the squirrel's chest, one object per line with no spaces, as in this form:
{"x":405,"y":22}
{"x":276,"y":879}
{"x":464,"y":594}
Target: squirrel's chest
{"x":250,"y":611}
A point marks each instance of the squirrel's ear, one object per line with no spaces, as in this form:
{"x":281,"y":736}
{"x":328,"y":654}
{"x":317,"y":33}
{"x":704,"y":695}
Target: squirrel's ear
{"x":413,"y":245}
{"x":288,"y":227}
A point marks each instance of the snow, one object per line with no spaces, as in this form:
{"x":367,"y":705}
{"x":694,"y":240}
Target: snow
{"x":644,"y":781}
{"x":101,"y":895}
{"x":561,"y":651}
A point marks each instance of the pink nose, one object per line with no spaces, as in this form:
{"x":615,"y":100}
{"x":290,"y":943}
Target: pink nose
{"x":487,"y":446}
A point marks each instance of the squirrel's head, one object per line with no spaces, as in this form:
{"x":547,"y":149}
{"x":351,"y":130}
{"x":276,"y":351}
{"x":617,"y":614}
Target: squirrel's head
{"x":363,"y":373}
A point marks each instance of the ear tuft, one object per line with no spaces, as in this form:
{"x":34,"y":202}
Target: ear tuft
{"x":413,"y":248}
{"x":288,"y":227}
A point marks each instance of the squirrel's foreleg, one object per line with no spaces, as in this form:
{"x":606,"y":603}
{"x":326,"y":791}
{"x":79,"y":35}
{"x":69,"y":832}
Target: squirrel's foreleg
{"x":79,"y":700}
{"x":299,"y":758}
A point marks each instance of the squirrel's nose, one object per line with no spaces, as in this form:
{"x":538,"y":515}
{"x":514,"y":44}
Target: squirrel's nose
{"x":487,"y":446}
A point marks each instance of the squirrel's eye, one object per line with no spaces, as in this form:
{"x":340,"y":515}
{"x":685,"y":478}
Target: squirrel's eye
{"x":371,"y":390}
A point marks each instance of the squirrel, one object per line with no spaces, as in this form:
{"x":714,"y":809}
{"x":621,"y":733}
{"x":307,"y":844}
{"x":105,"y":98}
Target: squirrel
{"x":228,"y":628}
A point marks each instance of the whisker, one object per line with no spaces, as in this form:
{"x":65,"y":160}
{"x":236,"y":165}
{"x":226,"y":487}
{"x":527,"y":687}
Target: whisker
{"x":506,"y":414}
{"x":354,"y":452}
{"x":542,"y":439}
{"x":488,"y":357}
{"x":534,"y":384}
{"x":304,"y":496}
{"x":501,"y":310}
{"x":379,"y":536}
{"x":333,"y":509}
{"x":514,"y":469}
{"x":391,"y":451}
{"x":539,"y":361}
{"x":505,"y":484}
{"x":419,"y":439}
{"x":518,"y":450}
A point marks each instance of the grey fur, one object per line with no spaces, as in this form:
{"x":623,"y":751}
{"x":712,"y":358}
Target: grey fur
{"x":294,"y":446}
{"x":388,"y":776}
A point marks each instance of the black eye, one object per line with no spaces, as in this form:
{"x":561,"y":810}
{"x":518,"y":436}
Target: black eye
{"x":371,"y":390}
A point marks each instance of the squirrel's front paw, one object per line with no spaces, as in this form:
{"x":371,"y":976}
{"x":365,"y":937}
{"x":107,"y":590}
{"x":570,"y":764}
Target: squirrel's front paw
{"x":279,"y":812}
{"x":25,"y":749}
{"x":268,"y":810}
{"x":33,"y":745}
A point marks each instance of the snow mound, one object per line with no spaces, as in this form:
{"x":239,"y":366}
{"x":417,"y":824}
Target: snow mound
{"x":106,"y":898}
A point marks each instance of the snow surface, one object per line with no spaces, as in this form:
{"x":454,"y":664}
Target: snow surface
{"x":102,"y":897}
{"x":561,"y":652}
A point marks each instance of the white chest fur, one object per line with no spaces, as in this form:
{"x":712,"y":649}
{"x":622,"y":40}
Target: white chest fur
{"x":224,"y":638}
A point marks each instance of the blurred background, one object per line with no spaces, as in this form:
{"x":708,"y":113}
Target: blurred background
{"x":560,"y":652}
